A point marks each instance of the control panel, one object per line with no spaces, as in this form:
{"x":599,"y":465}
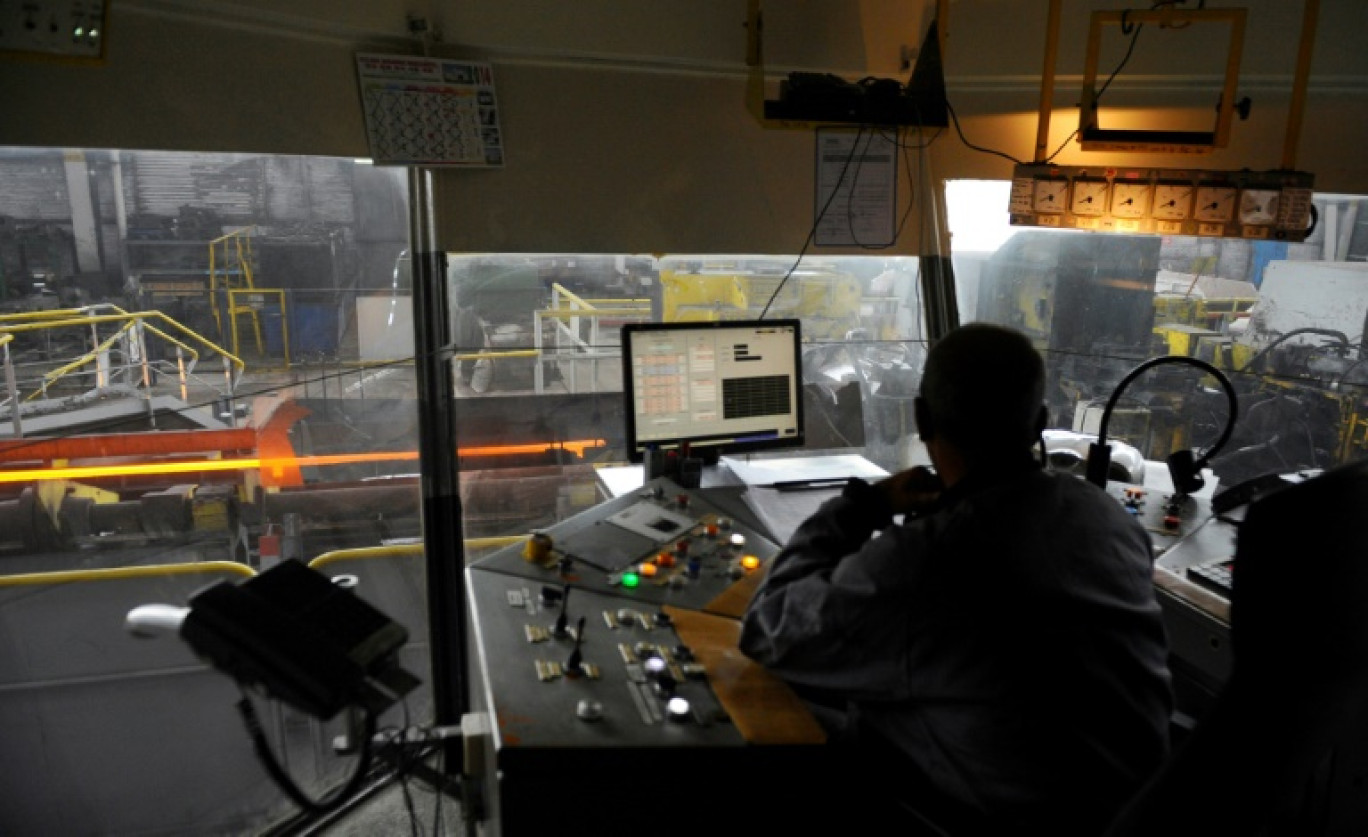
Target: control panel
{"x":1168,"y":517}
{"x":663,"y":544}
{"x":588,"y":691}
{"x":573,"y":667}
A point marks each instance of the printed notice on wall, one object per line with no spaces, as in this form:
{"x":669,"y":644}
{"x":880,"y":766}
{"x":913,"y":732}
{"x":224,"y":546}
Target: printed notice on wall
{"x":429,"y":111}
{"x":856,"y":188}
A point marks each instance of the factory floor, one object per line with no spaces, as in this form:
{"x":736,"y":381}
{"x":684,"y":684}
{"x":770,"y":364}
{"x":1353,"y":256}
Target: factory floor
{"x":390,"y":813}
{"x":396,"y":808}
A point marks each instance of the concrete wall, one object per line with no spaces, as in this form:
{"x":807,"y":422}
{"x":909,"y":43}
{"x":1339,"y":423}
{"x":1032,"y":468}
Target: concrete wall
{"x":625,"y":127}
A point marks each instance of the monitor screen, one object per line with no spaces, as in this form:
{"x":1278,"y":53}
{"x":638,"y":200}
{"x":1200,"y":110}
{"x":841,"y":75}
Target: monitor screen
{"x":717,"y":387}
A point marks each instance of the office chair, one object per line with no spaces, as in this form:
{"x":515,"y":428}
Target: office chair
{"x":1299,"y":677}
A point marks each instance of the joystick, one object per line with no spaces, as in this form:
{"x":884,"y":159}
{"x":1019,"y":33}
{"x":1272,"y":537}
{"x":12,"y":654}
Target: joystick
{"x":575,"y":665}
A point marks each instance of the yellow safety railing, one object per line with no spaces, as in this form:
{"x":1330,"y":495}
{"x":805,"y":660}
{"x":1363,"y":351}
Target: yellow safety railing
{"x":394,"y":550}
{"x":255,"y":299}
{"x":141,"y":571}
{"x":12,"y":324}
{"x":576,"y":331}
{"x":232,"y":271}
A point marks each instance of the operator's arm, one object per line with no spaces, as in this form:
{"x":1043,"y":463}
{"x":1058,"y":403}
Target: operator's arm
{"x":827,"y":613}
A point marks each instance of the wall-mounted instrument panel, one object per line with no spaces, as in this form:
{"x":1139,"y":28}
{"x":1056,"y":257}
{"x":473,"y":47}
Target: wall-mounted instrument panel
{"x":1272,"y":205}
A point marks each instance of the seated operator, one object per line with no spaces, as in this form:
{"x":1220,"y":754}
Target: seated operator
{"x":997,"y":656}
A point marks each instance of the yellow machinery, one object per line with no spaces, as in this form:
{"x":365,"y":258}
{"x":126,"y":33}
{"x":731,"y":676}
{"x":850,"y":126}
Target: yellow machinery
{"x":827,"y":301}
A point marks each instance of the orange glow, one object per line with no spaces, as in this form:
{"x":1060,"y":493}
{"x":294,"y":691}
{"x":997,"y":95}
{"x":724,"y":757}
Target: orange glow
{"x":648,"y":570}
{"x":271,"y":464}
{"x":577,"y":446}
{"x":750,"y":562}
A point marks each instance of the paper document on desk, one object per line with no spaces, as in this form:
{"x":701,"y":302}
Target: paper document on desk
{"x":782,"y":511}
{"x":793,"y":468}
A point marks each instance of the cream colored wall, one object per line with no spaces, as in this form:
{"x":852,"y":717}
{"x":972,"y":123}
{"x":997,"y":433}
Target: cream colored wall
{"x":626,"y":131}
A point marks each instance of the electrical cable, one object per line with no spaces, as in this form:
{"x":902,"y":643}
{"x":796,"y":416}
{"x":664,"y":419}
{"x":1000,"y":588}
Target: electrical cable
{"x":1323,"y":332}
{"x":954,"y":119}
{"x":812,"y":232}
{"x":283,"y":780}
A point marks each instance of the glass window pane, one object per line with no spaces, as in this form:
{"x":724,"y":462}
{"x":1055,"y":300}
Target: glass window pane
{"x":208,"y":370}
{"x":538,"y":366}
{"x":1282,"y":322}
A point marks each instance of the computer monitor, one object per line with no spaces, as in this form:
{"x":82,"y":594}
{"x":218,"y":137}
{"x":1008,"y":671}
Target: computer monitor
{"x":716,"y":387}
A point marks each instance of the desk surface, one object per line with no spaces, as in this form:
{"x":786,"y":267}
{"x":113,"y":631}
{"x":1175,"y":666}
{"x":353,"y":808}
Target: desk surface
{"x":745,"y":471}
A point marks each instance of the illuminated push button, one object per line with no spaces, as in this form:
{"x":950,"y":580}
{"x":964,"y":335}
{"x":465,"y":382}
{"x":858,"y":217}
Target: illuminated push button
{"x":711,"y":530}
{"x":665,"y":559}
{"x":677,"y":709}
{"x":589,"y":710}
{"x":630,"y":580}
{"x":738,"y":541}
{"x":655,"y":666}
{"x":648,"y":570}
{"x":749,"y":562}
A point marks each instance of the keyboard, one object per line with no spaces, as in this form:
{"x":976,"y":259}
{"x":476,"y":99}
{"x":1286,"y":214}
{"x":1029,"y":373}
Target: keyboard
{"x":1217,"y":576}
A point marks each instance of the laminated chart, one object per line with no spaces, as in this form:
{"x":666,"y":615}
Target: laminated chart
{"x":429,"y":111}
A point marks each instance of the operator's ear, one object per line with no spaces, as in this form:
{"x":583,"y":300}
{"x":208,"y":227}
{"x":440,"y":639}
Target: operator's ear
{"x":925,"y":426}
{"x":1042,"y":420}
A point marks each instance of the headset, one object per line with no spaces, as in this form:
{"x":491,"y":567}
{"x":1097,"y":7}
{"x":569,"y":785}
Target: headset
{"x":1185,"y":467}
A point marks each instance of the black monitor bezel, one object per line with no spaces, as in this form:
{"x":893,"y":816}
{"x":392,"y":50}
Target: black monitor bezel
{"x":705,"y":447}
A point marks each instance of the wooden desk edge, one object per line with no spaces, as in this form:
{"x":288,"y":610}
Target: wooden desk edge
{"x":763,"y":708}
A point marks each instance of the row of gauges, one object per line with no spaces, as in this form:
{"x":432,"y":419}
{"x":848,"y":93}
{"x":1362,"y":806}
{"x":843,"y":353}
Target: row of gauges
{"x":1236,"y":204}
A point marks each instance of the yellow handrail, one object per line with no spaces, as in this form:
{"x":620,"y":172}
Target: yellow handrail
{"x":392,"y":550}
{"x":123,"y":316}
{"x":93,"y":354}
{"x":142,"y":571}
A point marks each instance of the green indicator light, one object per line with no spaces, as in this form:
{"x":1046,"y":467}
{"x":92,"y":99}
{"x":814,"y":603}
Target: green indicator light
{"x":630,"y":579}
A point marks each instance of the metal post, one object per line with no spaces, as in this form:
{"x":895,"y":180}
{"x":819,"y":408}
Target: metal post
{"x":1047,"y":78}
{"x":13,"y":387}
{"x":935,"y":272}
{"x":180,"y":373}
{"x":101,"y":359}
{"x":443,"y":546}
{"x":538,"y":381}
{"x":1297,"y":108}
{"x":141,"y":339}
{"x":228,"y":395}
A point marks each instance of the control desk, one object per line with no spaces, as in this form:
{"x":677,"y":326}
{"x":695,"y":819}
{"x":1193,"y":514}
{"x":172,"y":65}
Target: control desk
{"x":1189,"y":542}
{"x":607,"y":668}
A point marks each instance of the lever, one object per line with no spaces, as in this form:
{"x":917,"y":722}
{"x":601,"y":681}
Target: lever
{"x":559,"y":629}
{"x":574,"y":665}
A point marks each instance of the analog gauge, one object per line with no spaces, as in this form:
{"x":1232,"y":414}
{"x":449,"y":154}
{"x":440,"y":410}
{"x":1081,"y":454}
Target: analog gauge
{"x":1089,"y":197}
{"x":1130,"y":200}
{"x":1214,"y":203}
{"x":1049,"y":195}
{"x":1258,"y":206}
{"x":1172,"y":201}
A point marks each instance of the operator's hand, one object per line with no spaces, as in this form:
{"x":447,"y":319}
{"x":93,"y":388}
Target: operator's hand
{"x":912,"y":490}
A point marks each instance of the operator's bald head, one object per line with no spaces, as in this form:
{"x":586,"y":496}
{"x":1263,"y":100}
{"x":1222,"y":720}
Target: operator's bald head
{"x":983,"y":389}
